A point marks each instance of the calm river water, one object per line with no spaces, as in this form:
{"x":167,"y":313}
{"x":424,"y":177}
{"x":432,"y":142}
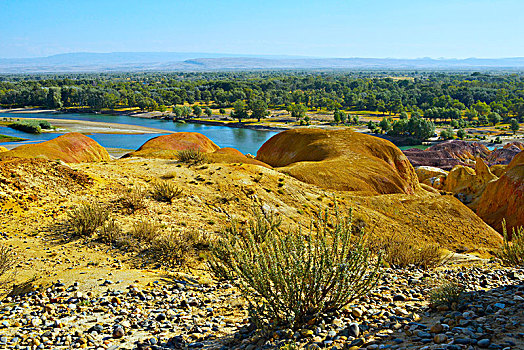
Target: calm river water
{"x":245,"y":140}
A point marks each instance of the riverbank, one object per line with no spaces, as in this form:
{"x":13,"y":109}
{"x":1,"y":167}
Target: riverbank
{"x":90,"y":127}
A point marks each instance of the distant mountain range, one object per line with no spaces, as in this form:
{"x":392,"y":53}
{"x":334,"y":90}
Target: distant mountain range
{"x":173,"y":61}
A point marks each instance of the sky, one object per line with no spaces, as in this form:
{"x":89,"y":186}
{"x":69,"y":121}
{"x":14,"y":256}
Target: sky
{"x":327,"y":28}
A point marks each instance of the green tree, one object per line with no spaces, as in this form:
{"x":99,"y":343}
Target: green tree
{"x":514,"y":125}
{"x":403,"y":115}
{"x":385,"y":124}
{"x":298,"y":111}
{"x":197,"y":111}
{"x":339,"y":116}
{"x":54,"y":98}
{"x":239,"y":110}
{"x":258,"y":109}
{"x":222,"y":111}
{"x":372,"y":126}
{"x":482,"y":108}
{"x":447,"y":134}
{"x":186,"y":111}
{"x":494,"y":118}
{"x":461,"y":134}
{"x":208,"y":112}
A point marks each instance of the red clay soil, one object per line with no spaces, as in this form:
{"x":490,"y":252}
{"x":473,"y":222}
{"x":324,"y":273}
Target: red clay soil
{"x":341,"y":160}
{"x":504,"y":199}
{"x":70,"y":148}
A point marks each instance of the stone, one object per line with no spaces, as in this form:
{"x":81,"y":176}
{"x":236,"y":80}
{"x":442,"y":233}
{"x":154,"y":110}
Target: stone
{"x":484,"y":343}
{"x":118,"y":332}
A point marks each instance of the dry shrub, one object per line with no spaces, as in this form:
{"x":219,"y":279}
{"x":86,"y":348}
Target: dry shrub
{"x":145,"y":231}
{"x":110,"y":232}
{"x":512,"y":251}
{"x":291,"y":276}
{"x":447,"y":294}
{"x":7,"y":259}
{"x":133,"y":199}
{"x":401,"y":251}
{"x":165,"y":191}
{"x":173,"y":248}
{"x":86,"y":218}
{"x":192,"y":156}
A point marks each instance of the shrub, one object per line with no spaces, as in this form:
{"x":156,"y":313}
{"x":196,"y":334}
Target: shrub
{"x":402,"y":251}
{"x":145,"y":231}
{"x":291,"y":276}
{"x":133,"y":199}
{"x":30,"y":126}
{"x":164,"y":191}
{"x":86,"y":218}
{"x":26,"y":127}
{"x":7,"y":259}
{"x":110,"y":232}
{"x":512,"y":251}
{"x":171,"y":249}
{"x":191,"y":156}
{"x":447,"y":294}
{"x":264,"y":221}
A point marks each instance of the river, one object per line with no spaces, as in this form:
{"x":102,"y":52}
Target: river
{"x":244,"y":140}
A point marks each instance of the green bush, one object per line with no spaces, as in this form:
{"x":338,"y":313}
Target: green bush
{"x":291,"y":275}
{"x":447,"y":294}
{"x":86,"y":218}
{"x":30,"y":126}
{"x":512,"y":251}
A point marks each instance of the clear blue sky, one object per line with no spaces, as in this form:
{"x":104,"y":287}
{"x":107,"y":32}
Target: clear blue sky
{"x":328,"y":28}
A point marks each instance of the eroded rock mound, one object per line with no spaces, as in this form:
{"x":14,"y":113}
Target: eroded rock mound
{"x":504,"y":198}
{"x":26,"y":180}
{"x":341,"y":160}
{"x":230,"y":155}
{"x":468,"y":184}
{"x":70,"y":148}
{"x":3,"y":149}
{"x":505,"y":154}
{"x":167,"y":146}
{"x":448,"y":154}
{"x":431,"y":176}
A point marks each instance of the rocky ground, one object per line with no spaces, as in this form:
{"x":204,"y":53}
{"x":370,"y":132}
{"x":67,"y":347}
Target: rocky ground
{"x":182,"y":313}
{"x":75,"y":293}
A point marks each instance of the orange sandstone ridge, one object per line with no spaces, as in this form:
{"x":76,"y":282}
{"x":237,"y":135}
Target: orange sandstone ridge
{"x":70,"y":148}
{"x":167,"y":147}
{"x":504,"y":199}
{"x":341,"y":160}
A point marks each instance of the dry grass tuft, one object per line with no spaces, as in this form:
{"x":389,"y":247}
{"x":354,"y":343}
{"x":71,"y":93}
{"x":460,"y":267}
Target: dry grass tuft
{"x":86,"y":218}
{"x":133,"y":199}
{"x":400,"y":251}
{"x":110,"y":232}
{"x":145,"y":231}
{"x":191,"y":156}
{"x":165,"y":191}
